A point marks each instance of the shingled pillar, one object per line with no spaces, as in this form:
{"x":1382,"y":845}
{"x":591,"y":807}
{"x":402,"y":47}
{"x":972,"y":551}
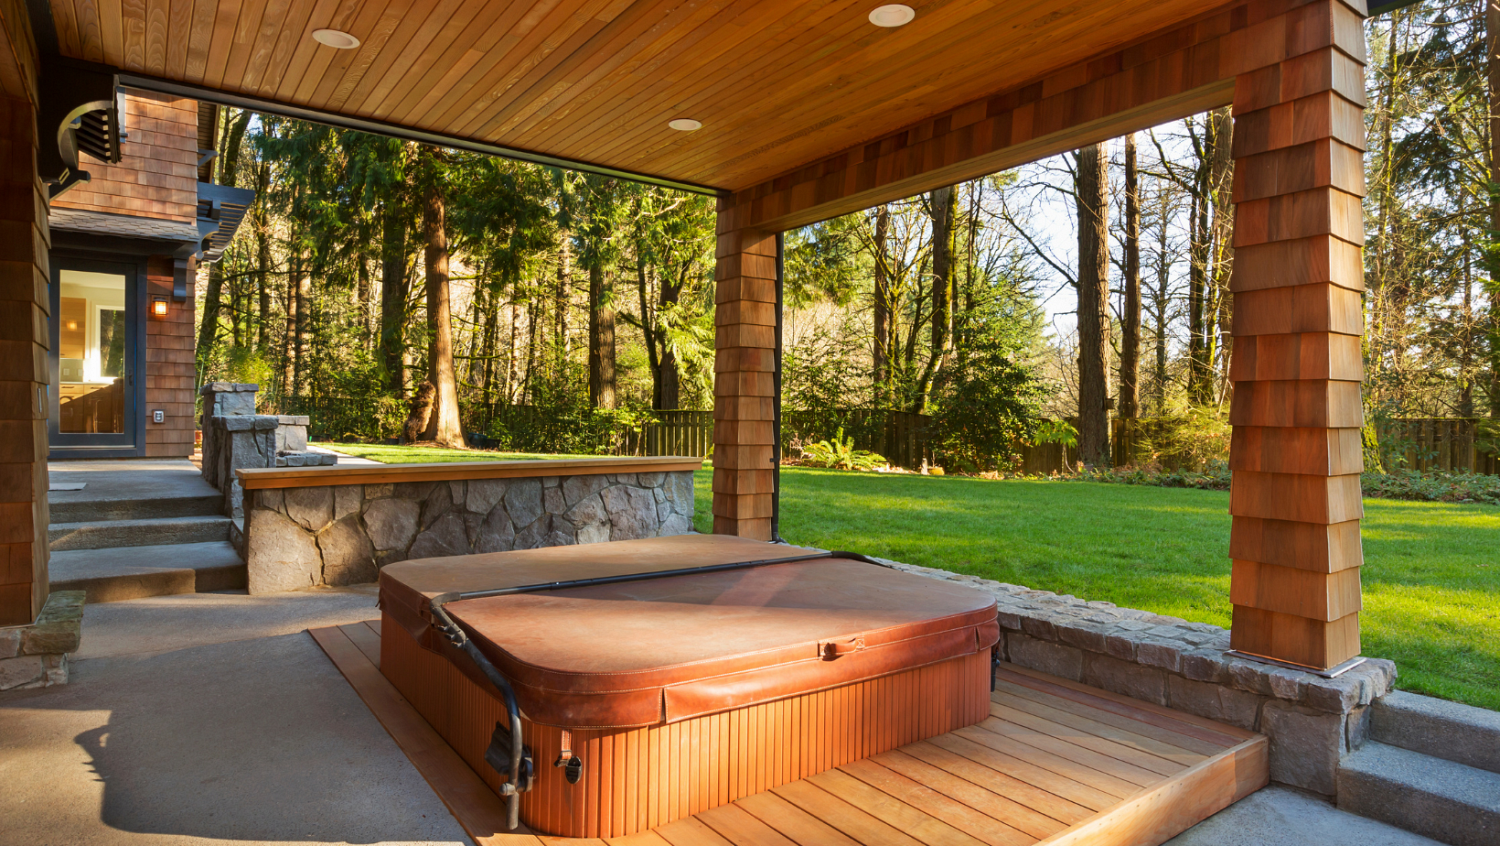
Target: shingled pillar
{"x":1296,"y":450}
{"x":23,"y":362}
{"x":744,"y":377}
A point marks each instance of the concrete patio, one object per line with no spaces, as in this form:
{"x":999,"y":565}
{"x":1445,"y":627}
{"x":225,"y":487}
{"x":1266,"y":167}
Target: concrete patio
{"x":209,"y":718}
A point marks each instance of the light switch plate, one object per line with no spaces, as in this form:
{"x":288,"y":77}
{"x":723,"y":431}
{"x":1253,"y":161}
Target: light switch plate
{"x":158,"y":416}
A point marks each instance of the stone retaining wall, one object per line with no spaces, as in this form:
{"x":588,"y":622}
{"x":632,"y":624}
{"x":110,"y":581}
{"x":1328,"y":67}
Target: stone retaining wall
{"x":37,"y":655}
{"x":343,"y":534}
{"x":1311,"y":721}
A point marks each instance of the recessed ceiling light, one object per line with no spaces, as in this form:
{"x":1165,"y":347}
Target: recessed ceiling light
{"x":336,"y":39}
{"x":685,"y":124}
{"x":892,"y":15}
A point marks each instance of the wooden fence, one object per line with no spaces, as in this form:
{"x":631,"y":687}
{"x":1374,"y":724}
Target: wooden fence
{"x":1451,"y":444}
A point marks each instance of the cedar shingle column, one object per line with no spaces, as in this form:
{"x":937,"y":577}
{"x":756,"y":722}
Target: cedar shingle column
{"x":744,"y":377}
{"x":1296,"y":458}
{"x":23,"y":366}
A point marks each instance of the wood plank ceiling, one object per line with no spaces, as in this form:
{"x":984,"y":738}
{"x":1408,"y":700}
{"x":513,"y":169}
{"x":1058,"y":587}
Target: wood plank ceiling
{"x":776,"y":83}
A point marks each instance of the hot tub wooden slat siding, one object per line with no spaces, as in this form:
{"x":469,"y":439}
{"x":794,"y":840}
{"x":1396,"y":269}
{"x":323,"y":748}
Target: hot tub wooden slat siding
{"x":1011,"y":780}
{"x":257,"y":478}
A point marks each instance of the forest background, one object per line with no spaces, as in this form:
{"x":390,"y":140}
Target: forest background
{"x":538,"y":310}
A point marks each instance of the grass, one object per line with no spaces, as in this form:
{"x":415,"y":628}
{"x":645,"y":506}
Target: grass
{"x":1431,"y":575}
{"x":392,"y":454}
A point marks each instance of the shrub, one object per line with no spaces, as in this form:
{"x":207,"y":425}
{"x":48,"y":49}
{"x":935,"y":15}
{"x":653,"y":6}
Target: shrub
{"x":985,"y":405}
{"x":840,"y":454}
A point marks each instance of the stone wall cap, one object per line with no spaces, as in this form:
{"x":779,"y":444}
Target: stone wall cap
{"x":226,"y":388}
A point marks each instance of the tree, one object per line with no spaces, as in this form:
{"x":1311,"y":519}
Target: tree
{"x":444,"y":426}
{"x":1130,"y":320}
{"x":1093,"y":306}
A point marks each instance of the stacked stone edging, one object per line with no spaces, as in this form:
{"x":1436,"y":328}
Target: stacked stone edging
{"x":1311,"y":721}
{"x":343,"y":534}
{"x":37,"y":655}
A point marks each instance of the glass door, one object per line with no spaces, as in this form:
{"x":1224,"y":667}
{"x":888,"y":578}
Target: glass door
{"x":94,"y":356}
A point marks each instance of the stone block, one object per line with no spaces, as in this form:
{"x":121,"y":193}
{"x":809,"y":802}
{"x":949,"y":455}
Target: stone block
{"x":589,"y":519}
{"x":379,"y":491}
{"x":650,"y":480}
{"x":1206,"y":665}
{"x":1248,"y":676}
{"x":391,"y":523}
{"x":1044,"y":656}
{"x":437,"y":504}
{"x":1160,"y":653}
{"x":675,"y":525}
{"x":311,"y":508}
{"x":1009,"y":620}
{"x":1357,"y":728}
{"x":577,"y":488}
{"x":236,"y":403}
{"x":632,"y":512}
{"x":1038,"y":627}
{"x":1306,"y":746}
{"x":523,"y":502}
{"x":495,"y":534}
{"x":446,"y":536}
{"x":483,"y":494}
{"x":53,"y":638}
{"x":348,"y":555}
{"x":56,"y":669}
{"x":534,"y":535}
{"x":10,"y":642}
{"x":1120,"y":645}
{"x":1213,"y":701}
{"x":1289,"y":684}
{"x":552,"y":500}
{"x":280,"y":554}
{"x":21,"y":671}
{"x":1148,"y":684}
{"x":347,"y":500}
{"x":1082,"y":634}
{"x":271,"y":499}
{"x":290,"y":437}
{"x":1335,"y":696}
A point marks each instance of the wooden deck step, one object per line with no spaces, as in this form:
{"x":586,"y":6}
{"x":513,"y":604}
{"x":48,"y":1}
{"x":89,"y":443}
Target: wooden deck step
{"x":1057,"y":763}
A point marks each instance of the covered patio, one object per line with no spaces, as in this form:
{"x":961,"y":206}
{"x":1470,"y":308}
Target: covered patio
{"x":791,"y":113}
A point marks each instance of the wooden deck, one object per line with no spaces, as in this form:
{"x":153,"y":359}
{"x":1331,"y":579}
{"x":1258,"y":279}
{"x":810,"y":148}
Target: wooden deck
{"x":1056,"y":763}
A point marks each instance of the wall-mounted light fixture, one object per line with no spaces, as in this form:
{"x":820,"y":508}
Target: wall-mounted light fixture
{"x":159,"y":306}
{"x":72,"y":326}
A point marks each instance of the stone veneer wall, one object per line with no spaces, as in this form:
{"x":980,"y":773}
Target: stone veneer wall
{"x":1311,"y":721}
{"x":343,"y":534}
{"x":36,"y":655}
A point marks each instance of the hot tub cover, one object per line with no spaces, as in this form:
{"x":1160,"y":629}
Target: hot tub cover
{"x":672,"y":648}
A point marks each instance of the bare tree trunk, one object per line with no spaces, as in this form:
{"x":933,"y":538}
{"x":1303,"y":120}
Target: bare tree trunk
{"x":1093,"y":306}
{"x":882,"y":351}
{"x":1130,"y":331}
{"x":1160,"y":310}
{"x":564,"y":291}
{"x":393,"y":298}
{"x":289,"y":339}
{"x":601,"y":337}
{"x":1221,"y":172}
{"x":1492,"y":254}
{"x":444,"y":427}
{"x":263,"y":260}
{"x":365,"y":297}
{"x":303,"y":282}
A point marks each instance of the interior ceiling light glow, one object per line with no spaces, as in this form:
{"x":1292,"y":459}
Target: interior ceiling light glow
{"x":336,"y":39}
{"x":685,"y":124}
{"x":892,"y":15}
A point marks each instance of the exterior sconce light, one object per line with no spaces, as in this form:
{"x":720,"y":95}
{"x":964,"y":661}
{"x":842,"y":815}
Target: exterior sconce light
{"x":159,"y":306}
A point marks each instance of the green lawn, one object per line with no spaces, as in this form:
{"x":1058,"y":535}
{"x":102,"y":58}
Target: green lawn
{"x":1431,"y":575}
{"x":391,"y":454}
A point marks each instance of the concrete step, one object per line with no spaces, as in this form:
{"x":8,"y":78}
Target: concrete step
{"x":1430,"y":796}
{"x":134,"y":572}
{"x":105,"y":534}
{"x":1460,"y":733}
{"x":136,"y":509}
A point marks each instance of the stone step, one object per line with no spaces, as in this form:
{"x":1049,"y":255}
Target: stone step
{"x":105,"y":534}
{"x":208,"y":505}
{"x":1460,"y":733}
{"x":135,"y":572}
{"x":1430,"y":796}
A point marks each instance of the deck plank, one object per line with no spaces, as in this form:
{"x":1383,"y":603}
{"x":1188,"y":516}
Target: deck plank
{"x":978,"y":787}
{"x":921,"y":827}
{"x":1223,"y":736}
{"x":1059,"y":709}
{"x":1056,"y":762}
{"x":843,"y":816}
{"x":950,"y":810}
{"x":1096,"y":741}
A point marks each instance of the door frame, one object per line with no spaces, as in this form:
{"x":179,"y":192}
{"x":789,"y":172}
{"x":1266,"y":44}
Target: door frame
{"x":132,"y":442}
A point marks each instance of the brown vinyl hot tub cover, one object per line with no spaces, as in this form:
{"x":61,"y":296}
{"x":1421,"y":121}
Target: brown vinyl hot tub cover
{"x":671,"y":648}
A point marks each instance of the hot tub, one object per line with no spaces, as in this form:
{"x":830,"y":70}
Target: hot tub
{"x":673,"y":694}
